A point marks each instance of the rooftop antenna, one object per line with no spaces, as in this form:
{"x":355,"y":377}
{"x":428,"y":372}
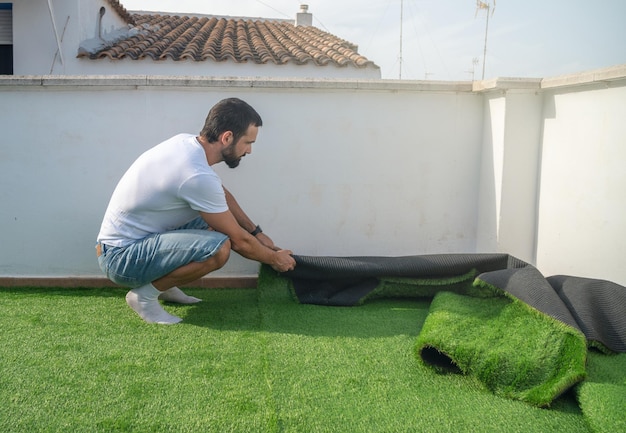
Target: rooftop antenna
{"x":474,"y":63}
{"x":482,"y":5}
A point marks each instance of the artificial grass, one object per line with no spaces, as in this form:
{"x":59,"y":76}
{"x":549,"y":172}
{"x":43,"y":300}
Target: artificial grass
{"x":603,"y":394}
{"x":77,"y":360}
{"x":515,"y":351}
{"x":246,"y":361}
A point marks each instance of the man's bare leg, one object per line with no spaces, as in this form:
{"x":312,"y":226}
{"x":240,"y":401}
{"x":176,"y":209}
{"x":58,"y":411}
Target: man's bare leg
{"x":178,"y":296}
{"x":145,"y":299}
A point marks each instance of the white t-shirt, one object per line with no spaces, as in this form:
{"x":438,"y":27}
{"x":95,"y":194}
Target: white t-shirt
{"x":162,"y":190}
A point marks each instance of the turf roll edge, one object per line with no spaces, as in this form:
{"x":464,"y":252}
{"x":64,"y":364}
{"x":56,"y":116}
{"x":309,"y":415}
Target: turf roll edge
{"x":514,"y":351}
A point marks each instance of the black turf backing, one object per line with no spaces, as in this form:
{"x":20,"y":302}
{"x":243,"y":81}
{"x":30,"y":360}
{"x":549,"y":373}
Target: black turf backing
{"x":595,"y":307}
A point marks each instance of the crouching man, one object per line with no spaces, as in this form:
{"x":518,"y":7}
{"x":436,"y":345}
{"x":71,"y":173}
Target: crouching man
{"x":170,"y":221}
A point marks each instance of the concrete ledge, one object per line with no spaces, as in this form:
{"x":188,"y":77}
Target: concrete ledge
{"x":97,"y":282}
{"x":73,"y":80}
{"x":610,"y":74}
{"x":507,"y":83}
{"x":613,"y":73}
{"x":21,"y":80}
{"x":94,"y":80}
{"x":122,"y":81}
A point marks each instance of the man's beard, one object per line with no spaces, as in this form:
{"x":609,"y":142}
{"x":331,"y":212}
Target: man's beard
{"x":230,"y":157}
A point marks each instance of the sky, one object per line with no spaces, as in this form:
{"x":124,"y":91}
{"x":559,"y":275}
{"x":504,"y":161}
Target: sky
{"x":445,"y":39}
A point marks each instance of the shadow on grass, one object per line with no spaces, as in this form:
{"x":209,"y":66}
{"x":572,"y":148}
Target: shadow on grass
{"x":234,"y":309}
{"x":241,"y":310}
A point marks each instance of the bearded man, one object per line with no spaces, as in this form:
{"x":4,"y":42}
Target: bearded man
{"x":170,"y":221}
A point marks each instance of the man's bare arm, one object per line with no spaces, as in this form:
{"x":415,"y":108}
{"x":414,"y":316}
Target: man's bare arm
{"x":242,"y":219}
{"x":245,"y":244}
{"x":245,"y":222}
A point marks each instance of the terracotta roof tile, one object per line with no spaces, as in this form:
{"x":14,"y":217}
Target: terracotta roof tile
{"x":229,"y":39}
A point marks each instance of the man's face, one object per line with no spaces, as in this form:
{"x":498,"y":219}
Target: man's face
{"x":233,"y":153}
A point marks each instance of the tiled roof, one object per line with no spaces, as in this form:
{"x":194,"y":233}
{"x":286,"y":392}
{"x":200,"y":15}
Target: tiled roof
{"x":220,"y":39}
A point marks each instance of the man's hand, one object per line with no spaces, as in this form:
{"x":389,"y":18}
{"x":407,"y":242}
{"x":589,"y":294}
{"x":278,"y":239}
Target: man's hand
{"x":247,"y":245}
{"x":283,"y":261}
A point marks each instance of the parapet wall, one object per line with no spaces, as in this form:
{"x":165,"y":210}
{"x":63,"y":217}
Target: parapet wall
{"x":528,"y":167}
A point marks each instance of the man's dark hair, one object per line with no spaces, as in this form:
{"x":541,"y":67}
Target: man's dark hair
{"x":231,"y":114}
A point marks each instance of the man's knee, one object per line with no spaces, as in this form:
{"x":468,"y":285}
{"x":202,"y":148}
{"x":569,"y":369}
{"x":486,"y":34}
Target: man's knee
{"x":222,"y":255}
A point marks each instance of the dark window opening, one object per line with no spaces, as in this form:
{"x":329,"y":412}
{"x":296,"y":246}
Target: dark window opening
{"x":6,"y":38}
{"x":6,"y":59}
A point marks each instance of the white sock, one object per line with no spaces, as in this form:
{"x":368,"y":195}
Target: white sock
{"x":145,"y":301}
{"x":176,"y":295}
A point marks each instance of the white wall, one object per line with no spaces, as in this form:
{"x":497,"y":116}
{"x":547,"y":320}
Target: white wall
{"x":336,"y":170}
{"x":34,"y":47}
{"x":582,"y":202}
{"x":507,"y":206}
{"x":366,"y":172}
{"x":340,"y":167}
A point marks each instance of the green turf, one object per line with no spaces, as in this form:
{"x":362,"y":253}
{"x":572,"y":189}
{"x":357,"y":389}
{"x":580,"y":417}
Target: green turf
{"x":249,"y":361}
{"x":483,"y":337}
{"x":603,"y":394}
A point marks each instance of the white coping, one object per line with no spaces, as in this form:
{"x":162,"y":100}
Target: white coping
{"x":604,"y":75}
{"x":507,"y":83}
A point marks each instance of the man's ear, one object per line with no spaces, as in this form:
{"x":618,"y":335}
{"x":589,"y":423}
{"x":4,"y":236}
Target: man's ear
{"x":227,"y":138}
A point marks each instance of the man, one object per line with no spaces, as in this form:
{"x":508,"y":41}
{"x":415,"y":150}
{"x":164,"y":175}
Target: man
{"x":170,"y":221}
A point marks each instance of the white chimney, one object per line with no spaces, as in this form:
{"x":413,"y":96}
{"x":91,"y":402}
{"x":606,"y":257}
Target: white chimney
{"x":304,"y":18}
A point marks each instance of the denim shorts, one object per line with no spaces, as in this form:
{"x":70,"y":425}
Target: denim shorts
{"x":159,"y":254}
